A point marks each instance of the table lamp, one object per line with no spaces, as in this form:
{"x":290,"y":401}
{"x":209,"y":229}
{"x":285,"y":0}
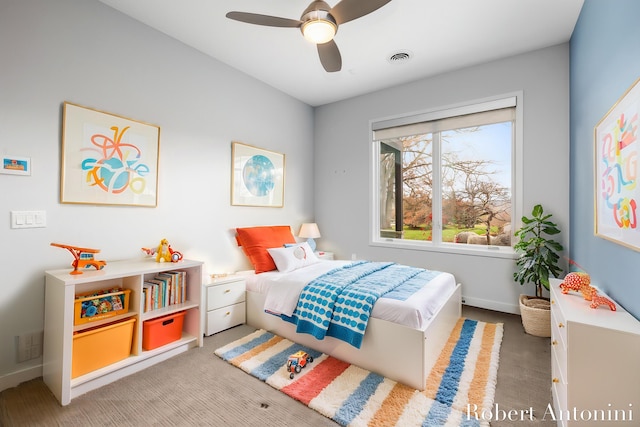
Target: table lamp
{"x":310,"y":231}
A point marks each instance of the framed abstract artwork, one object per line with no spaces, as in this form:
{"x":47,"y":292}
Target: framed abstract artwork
{"x":617,"y":193}
{"x":108,"y":159}
{"x":257,"y":176}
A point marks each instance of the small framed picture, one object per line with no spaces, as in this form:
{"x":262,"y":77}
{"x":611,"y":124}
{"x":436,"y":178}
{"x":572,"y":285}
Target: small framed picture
{"x":15,"y":165}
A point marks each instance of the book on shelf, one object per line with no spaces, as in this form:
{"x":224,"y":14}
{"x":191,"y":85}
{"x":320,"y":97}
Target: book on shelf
{"x":157,"y":298}
{"x":165,"y":281}
{"x":146,"y":296}
{"x":180,"y":290}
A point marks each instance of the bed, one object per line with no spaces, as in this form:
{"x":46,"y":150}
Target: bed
{"x":403,"y":337}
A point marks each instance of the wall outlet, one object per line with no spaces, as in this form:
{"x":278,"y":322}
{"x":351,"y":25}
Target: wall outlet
{"x":29,"y":346}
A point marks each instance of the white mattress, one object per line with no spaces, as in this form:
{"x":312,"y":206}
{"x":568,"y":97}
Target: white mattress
{"x":283,"y":289}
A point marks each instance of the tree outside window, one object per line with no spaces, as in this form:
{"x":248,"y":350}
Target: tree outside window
{"x":448,"y":181}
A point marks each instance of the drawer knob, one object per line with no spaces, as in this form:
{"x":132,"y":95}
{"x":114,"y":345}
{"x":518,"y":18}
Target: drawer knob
{"x":553,"y":301}
{"x":560,"y":325}
{"x":227,"y":313}
{"x":226,"y":291}
{"x":554,"y":342}
{"x":555,"y":380}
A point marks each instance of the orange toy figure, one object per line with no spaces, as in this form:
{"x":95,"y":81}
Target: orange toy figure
{"x":83,"y":258}
{"x":149,"y":251}
{"x":579,"y":282}
{"x":175,"y":255}
{"x":598,"y":300}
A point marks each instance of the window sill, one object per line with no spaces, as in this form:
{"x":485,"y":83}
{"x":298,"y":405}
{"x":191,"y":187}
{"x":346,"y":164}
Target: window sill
{"x":452,"y":248}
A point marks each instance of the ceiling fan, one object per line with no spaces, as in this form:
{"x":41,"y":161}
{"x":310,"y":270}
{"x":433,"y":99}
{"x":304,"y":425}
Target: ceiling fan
{"x":319,"y":24}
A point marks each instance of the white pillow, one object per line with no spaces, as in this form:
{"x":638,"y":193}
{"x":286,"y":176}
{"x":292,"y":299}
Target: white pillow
{"x":293,"y":257}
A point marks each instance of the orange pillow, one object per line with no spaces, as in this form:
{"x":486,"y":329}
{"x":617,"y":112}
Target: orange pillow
{"x":256,"y":240}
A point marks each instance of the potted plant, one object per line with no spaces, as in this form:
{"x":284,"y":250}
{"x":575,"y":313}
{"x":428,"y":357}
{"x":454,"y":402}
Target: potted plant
{"x":537,"y":261}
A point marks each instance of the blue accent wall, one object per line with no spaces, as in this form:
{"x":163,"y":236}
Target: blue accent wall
{"x":605,"y":62}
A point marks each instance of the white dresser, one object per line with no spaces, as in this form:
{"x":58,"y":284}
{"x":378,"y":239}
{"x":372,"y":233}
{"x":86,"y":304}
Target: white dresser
{"x":595,"y":363}
{"x":225,"y":302}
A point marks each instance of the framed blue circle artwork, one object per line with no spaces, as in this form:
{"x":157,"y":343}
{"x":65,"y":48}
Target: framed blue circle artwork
{"x":257,"y":178}
{"x":258,"y":175}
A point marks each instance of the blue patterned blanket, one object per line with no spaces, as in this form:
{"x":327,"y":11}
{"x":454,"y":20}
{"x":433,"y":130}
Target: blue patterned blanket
{"x":338,"y":304}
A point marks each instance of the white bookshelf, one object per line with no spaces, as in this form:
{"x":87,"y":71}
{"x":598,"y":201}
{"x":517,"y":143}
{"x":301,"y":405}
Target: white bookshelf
{"x":60,"y":291}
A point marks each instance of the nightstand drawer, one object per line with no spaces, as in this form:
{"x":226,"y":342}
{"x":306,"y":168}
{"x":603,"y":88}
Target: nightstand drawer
{"x":225,"y":318}
{"x":224,"y":294}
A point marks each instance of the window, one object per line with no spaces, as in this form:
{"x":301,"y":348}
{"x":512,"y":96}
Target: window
{"x":446,"y":178}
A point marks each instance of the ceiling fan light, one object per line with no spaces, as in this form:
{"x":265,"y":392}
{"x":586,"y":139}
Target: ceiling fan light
{"x":319,"y":31}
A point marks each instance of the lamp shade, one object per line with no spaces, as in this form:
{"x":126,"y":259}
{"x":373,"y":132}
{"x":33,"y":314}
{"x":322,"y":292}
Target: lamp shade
{"x":318,"y":31}
{"x":309,"y":230}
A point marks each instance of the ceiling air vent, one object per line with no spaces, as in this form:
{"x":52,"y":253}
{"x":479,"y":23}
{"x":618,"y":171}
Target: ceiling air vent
{"x":399,"y":57}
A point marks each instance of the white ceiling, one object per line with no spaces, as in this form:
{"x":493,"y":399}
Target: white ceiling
{"x":440,"y":35}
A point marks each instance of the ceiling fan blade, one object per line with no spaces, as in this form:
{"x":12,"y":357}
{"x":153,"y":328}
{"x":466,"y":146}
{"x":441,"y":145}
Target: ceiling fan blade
{"x":348,"y":10}
{"x":330,"y":56}
{"x":269,"y":21}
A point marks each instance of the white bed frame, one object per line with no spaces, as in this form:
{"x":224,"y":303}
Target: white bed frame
{"x":397,"y":352}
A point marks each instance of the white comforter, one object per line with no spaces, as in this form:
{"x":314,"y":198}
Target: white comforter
{"x":283,"y":289}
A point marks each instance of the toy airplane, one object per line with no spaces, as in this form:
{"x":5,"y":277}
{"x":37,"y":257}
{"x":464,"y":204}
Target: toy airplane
{"x":82,"y":257}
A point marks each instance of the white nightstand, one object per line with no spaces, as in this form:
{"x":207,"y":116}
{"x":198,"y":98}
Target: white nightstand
{"x":324,"y":255}
{"x":225,"y":303}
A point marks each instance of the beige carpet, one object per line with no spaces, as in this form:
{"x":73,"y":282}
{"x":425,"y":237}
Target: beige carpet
{"x":200,"y":389}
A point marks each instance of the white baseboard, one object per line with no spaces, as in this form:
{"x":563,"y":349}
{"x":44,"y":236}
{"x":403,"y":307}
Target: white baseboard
{"x":491,"y":305}
{"x":16,"y":378}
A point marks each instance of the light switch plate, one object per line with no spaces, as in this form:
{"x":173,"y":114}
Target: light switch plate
{"x":28,"y":219}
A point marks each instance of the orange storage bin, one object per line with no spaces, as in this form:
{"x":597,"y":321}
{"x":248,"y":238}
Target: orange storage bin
{"x":98,"y":347}
{"x":100,"y":305}
{"x":163,"y":330}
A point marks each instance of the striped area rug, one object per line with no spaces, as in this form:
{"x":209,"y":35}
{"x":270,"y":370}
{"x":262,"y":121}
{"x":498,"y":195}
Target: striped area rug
{"x":461,"y":384}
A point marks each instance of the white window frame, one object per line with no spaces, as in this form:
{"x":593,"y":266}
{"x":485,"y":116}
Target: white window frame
{"x":517,"y":177}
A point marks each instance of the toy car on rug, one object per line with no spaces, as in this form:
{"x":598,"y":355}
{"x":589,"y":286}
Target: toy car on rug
{"x":297,"y":361}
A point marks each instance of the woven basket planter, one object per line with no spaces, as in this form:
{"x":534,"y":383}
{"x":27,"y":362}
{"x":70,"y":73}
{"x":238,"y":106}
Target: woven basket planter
{"x":536,"y":316}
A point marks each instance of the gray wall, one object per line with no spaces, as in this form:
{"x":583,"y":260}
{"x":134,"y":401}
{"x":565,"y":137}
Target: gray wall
{"x":87,"y":53}
{"x":605,"y":62}
{"x":341,"y":152}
